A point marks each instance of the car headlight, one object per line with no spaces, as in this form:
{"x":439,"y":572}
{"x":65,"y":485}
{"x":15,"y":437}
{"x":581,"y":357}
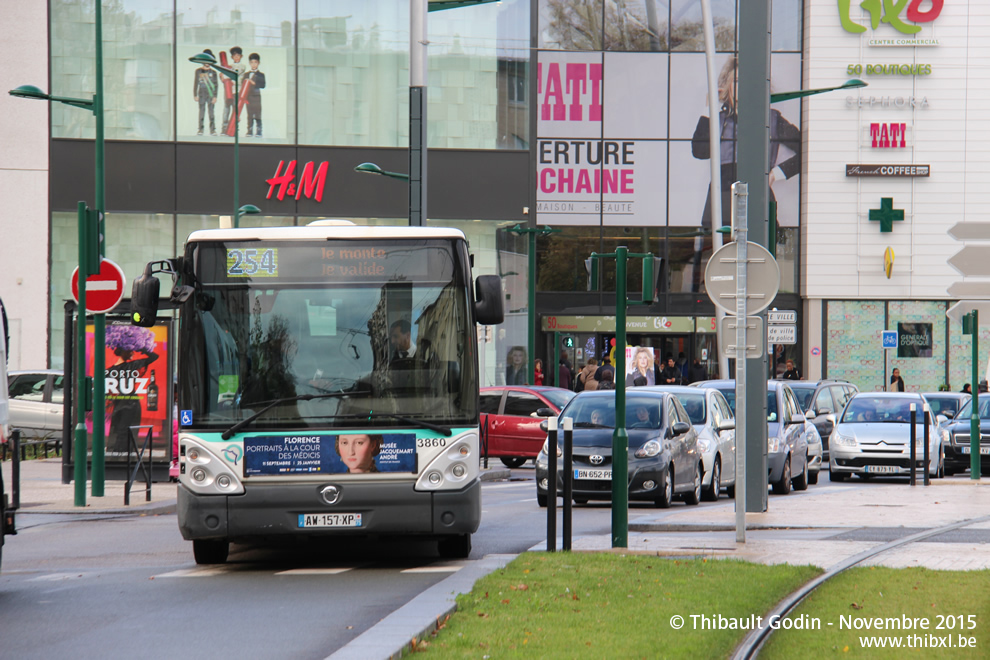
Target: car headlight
{"x":546,"y":448}
{"x":650,"y":448}
{"x":844,"y":440}
{"x":775,"y":444}
{"x":946,"y":437}
{"x":704,"y":445}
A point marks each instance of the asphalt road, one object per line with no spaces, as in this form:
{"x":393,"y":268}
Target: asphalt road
{"x":127,"y":586}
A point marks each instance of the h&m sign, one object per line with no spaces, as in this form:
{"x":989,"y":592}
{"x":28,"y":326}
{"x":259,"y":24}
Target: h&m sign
{"x":311,"y":182}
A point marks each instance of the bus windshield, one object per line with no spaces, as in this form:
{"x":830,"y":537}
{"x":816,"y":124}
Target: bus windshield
{"x":378,"y":325}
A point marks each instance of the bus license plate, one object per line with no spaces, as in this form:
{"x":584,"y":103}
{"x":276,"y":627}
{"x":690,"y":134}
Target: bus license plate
{"x":985,"y":451}
{"x":329,"y":519}
{"x":882,"y":469}
{"x":600,"y":475}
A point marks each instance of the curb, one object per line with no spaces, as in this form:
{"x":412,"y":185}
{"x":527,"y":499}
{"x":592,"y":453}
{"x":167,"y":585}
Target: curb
{"x":495,"y":474}
{"x":150,"y":508}
{"x":394,"y":634}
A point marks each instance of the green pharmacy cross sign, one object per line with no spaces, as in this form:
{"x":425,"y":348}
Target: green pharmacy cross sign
{"x":886,"y":214}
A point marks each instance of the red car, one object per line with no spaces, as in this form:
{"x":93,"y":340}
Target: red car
{"x":511,"y":416}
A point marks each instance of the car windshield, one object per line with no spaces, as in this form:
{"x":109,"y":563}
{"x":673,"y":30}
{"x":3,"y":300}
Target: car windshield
{"x":558,"y":397}
{"x":967,"y":410}
{"x":730,"y":395}
{"x":944,"y":405}
{"x":694,"y":404}
{"x":869,"y":409}
{"x":804,"y":395}
{"x":599,"y":412}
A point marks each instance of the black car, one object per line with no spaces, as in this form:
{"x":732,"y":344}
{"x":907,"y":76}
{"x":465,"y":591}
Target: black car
{"x":956,"y":438}
{"x":822,"y":401}
{"x":663,"y":456}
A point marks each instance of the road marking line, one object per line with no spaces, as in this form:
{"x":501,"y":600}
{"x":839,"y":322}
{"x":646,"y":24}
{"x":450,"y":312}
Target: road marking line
{"x":194,"y":572}
{"x":439,"y":568}
{"x":316,"y":571}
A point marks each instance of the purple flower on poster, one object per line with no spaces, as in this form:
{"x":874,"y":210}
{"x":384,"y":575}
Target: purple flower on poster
{"x":130,"y":338}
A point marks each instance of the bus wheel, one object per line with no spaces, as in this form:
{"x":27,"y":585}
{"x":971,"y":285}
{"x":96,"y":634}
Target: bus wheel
{"x":455,"y":547}
{"x":210,"y":551}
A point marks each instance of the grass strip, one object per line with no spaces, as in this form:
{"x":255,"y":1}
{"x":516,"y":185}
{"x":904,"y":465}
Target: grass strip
{"x":597,"y":605}
{"x":874,"y":605}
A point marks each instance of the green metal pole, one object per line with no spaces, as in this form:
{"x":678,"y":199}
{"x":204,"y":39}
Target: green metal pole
{"x":237,"y":149}
{"x":99,"y":322}
{"x":79,"y":441}
{"x":974,"y":418}
{"x":556,"y":359}
{"x":620,"y":439}
{"x":531,"y":308}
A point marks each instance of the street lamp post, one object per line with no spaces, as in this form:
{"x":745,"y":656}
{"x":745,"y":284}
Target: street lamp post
{"x":208,"y":59}
{"x":87,"y":267}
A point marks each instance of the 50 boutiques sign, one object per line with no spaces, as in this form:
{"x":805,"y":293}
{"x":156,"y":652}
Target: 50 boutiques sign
{"x":905,"y":16}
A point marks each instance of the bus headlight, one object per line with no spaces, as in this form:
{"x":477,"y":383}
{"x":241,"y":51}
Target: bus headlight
{"x":206,"y":473}
{"x":453,"y":467}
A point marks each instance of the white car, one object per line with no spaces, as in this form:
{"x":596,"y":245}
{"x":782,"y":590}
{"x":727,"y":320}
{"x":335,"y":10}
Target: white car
{"x":873,"y":437}
{"x":35,"y":405}
{"x":712,"y":419}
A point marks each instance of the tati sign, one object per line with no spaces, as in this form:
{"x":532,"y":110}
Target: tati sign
{"x":601,"y":119}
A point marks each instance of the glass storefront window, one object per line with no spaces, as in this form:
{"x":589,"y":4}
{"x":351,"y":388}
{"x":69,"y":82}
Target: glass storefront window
{"x":354,"y":74}
{"x":687,"y":32}
{"x":137,"y":68}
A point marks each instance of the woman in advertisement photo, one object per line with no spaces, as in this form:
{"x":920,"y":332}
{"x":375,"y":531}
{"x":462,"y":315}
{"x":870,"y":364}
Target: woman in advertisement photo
{"x":358,"y":452}
{"x":641,"y":374}
{"x":128,"y":380}
{"x":782,"y":133}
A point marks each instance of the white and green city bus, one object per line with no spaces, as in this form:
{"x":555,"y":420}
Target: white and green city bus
{"x":328,"y":383}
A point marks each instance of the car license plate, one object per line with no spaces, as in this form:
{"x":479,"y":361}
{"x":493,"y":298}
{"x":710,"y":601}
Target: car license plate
{"x":601,"y":475}
{"x":985,"y":451}
{"x":329,"y":519}
{"x":882,"y":469}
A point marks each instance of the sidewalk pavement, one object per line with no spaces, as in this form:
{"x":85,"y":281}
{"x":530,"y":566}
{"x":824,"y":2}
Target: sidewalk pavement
{"x":42,"y":491}
{"x":825,"y":526}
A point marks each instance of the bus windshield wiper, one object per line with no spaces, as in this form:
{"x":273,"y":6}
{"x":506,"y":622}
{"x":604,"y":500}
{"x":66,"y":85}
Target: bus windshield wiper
{"x":289,"y":399}
{"x":442,"y":430}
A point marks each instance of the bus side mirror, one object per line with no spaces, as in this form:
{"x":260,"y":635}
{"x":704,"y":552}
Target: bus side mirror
{"x":144,"y":298}
{"x":488,"y":300}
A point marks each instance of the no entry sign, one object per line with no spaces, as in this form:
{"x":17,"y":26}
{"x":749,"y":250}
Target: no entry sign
{"x":103,"y":291}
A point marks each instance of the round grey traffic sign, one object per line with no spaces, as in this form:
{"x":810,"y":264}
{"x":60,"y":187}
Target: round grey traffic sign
{"x":762,"y":278}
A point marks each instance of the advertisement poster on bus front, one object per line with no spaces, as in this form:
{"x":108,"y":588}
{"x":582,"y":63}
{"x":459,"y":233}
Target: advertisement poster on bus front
{"x":136,"y":387}
{"x":344,"y":453}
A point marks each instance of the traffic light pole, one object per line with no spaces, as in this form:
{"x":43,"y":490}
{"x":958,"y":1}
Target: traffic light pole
{"x":971,"y":327}
{"x":532,"y":233}
{"x":620,"y":437}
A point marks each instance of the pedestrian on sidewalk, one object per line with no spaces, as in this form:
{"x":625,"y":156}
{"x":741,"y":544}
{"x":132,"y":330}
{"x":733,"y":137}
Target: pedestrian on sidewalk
{"x":896,"y":382}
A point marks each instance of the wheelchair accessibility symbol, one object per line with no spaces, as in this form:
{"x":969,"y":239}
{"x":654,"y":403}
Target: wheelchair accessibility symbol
{"x":185,"y":418}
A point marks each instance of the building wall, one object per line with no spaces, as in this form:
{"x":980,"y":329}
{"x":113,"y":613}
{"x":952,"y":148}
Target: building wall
{"x":844,"y":257}
{"x":24,"y":183}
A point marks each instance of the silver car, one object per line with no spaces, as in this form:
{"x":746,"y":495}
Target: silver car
{"x":712,"y":419}
{"x":873,"y":437}
{"x":36,"y":402}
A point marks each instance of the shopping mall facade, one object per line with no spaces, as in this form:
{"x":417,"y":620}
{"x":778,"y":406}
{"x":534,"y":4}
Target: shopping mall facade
{"x":586,"y":122}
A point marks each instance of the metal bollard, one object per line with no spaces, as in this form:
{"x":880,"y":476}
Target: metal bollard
{"x":551,"y":484}
{"x":928,"y":458}
{"x":914,"y":438}
{"x":568,"y":479}
{"x":15,"y":470}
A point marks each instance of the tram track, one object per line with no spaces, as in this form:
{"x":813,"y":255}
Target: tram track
{"x":754,"y":641}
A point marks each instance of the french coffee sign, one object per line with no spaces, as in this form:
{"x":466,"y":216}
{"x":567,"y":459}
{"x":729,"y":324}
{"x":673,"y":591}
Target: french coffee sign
{"x":601,"y":145}
{"x":891,"y":170}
